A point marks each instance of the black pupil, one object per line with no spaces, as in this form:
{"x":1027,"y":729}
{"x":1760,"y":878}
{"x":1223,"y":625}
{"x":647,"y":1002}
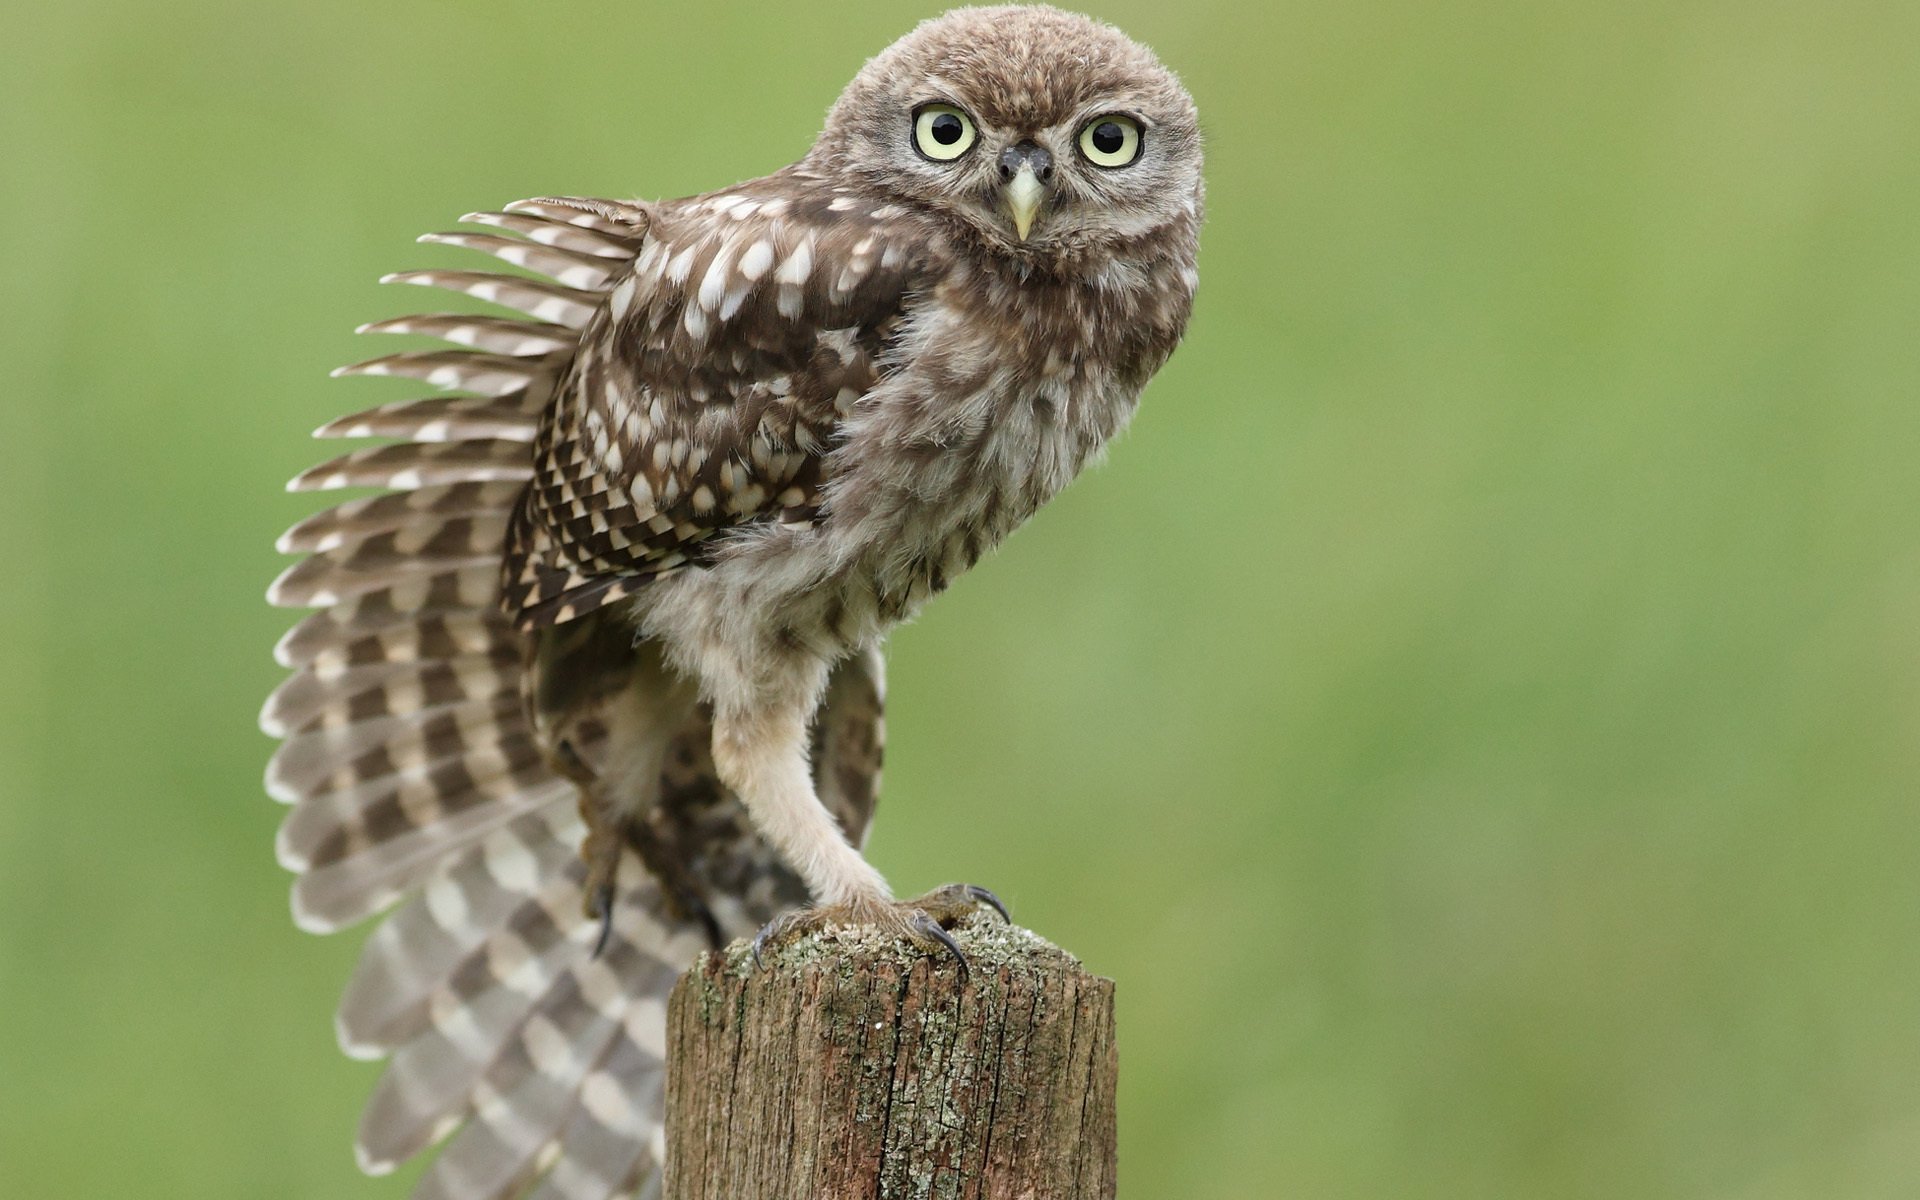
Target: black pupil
{"x":946,"y":129}
{"x":1108,"y":137}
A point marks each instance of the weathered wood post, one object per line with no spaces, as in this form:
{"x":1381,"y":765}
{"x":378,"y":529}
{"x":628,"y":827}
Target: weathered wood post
{"x":850,"y":1067}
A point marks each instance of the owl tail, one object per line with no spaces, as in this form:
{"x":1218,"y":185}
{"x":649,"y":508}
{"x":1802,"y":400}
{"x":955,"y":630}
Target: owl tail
{"x":415,"y":777}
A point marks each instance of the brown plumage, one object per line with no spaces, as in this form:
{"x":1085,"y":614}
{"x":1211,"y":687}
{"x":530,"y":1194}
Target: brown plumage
{"x":598,"y":683}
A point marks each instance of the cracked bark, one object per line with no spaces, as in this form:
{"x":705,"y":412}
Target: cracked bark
{"x":849,"y":1067}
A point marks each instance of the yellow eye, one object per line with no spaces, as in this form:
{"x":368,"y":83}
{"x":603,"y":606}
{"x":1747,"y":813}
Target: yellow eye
{"x":942,"y":132}
{"x":1111,"y":141}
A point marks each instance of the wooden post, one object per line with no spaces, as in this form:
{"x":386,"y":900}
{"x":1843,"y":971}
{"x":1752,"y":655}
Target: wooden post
{"x":852,"y":1067}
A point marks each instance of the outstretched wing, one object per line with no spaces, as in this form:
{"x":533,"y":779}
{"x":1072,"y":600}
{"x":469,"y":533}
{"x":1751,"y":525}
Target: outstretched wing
{"x":416,"y":777}
{"x":706,"y":392}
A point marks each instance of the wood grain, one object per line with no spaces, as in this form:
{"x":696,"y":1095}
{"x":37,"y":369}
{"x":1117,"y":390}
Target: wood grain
{"x":852,"y":1066}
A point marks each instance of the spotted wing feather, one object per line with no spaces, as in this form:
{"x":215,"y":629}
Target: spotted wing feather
{"x":708,"y":391}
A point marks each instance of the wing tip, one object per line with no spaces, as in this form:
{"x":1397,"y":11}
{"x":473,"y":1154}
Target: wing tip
{"x":286,"y":590}
{"x":308,"y":921}
{"x":370,"y":1163}
{"x":283,"y":649}
{"x":353,"y":1045}
{"x":285,"y":852}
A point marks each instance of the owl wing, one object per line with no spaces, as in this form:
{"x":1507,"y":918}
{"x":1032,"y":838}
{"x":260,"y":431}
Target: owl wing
{"x":707,"y":391}
{"x":416,"y":779}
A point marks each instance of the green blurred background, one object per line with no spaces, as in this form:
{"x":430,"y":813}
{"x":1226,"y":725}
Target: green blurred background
{"x":1475,"y":715}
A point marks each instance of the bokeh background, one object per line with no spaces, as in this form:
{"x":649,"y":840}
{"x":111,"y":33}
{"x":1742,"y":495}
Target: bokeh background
{"x":1475,"y":715}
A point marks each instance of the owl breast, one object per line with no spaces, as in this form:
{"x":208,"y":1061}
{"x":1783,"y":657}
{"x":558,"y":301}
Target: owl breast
{"x":997,"y":392}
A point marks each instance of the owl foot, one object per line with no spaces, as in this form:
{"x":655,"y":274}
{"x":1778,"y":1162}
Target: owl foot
{"x":680,"y":893}
{"x":602,"y":854}
{"x":924,"y":920}
{"x":600,"y":850}
{"x":608,"y":837}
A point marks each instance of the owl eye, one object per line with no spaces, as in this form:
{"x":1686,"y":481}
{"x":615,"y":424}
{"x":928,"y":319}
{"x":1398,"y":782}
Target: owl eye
{"x":942,"y":132}
{"x":1111,"y":141}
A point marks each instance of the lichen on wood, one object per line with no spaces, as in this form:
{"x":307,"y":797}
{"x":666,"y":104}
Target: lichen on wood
{"x":851,"y":1065}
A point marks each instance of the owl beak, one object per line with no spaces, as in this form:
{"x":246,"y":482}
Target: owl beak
{"x":1024,"y":194}
{"x":1025,"y":168}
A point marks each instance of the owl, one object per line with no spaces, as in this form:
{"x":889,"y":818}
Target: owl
{"x":596,"y":682}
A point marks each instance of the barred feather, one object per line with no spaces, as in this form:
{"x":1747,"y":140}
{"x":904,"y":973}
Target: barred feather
{"x":324,"y":698}
{"x":513,"y":416}
{"x":416,"y":778}
{"x":613,"y":1143}
{"x":376,"y":514}
{"x":567,"y":267}
{"x":526,"y":1096}
{"x":350,"y":887}
{"x":342,"y":636}
{"x":546,"y":301}
{"x":487,"y":999}
{"x":500,"y":335}
{"x":557,"y":233}
{"x":314,"y":770}
{"x":416,"y":464}
{"x":380,"y":563}
{"x":434,"y":782}
{"x":474,"y":370}
{"x":523,"y":1002}
{"x":416,"y":951}
{"x":408,"y":757}
{"x":621,"y":224}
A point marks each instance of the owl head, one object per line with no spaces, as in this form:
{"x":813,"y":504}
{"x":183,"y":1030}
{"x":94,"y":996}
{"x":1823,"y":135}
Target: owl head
{"x":1039,"y":132}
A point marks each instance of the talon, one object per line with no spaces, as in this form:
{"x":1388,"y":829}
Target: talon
{"x":926,"y":920}
{"x":768,"y":933}
{"x":983,"y":896}
{"x":954,"y":902}
{"x":603,"y":909}
{"x":924,"y":925}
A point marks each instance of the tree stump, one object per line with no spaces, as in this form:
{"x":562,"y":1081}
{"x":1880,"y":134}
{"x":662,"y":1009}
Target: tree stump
{"x":850,"y":1066}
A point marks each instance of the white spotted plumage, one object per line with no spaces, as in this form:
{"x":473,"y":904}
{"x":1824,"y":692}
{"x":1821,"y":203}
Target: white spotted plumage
{"x":611,"y":640}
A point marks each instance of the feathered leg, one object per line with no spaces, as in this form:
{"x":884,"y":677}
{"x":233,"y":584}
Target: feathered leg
{"x":760,"y":750}
{"x":607,"y":709}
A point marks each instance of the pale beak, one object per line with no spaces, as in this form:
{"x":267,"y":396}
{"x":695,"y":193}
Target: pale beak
{"x":1024,"y":194}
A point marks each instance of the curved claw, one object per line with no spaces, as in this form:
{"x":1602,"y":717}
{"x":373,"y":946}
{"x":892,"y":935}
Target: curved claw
{"x":924,"y":925}
{"x":983,"y":896}
{"x":927,"y":919}
{"x":603,"y":908}
{"x":768,"y":932}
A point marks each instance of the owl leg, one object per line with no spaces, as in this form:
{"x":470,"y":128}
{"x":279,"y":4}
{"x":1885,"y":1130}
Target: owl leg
{"x":762,"y":756}
{"x":606,"y":707}
{"x":611,"y":830}
{"x":606,"y":835}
